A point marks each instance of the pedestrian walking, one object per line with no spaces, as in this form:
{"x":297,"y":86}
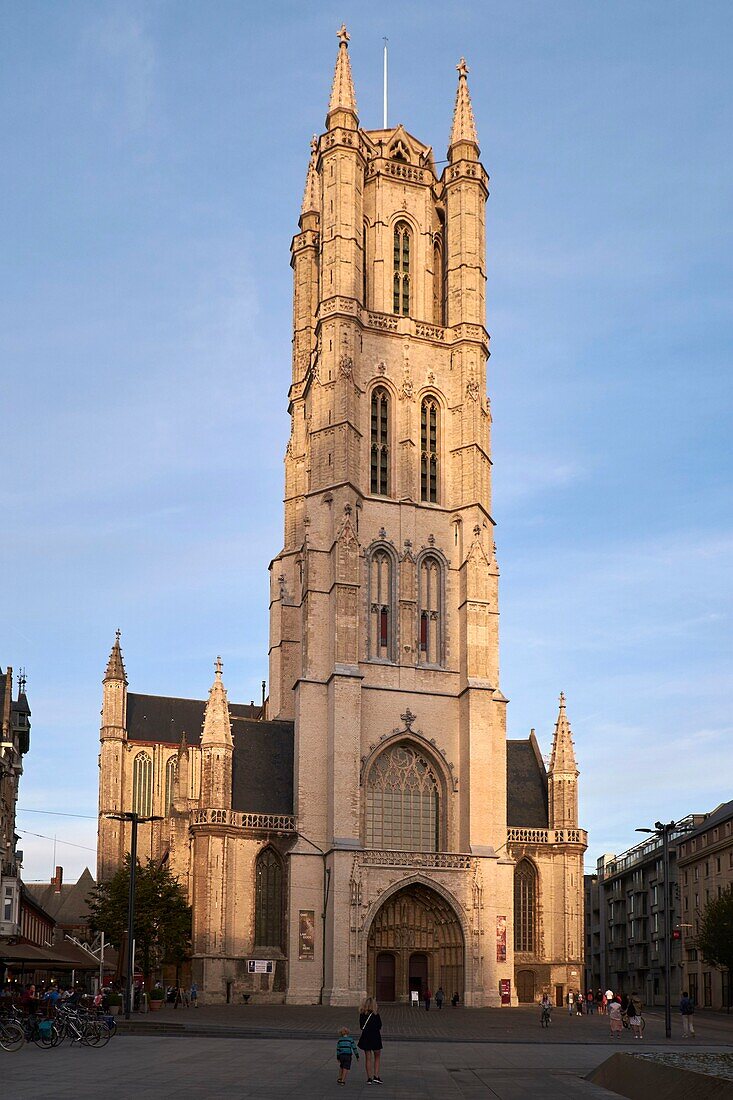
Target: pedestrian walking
{"x":571,"y":1002}
{"x":590,"y":1004}
{"x":370,"y":1040}
{"x":194,"y":994}
{"x":439,"y":997}
{"x":346,"y":1049}
{"x":687,"y":1009}
{"x":615,"y":1019}
{"x":579,"y":1003}
{"x":455,"y":999}
{"x":600,"y":1003}
{"x":427,"y":997}
{"x":546,"y":1010}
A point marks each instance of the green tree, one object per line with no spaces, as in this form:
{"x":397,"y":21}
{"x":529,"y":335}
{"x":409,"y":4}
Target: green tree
{"x":715,"y":938}
{"x":162,"y":914}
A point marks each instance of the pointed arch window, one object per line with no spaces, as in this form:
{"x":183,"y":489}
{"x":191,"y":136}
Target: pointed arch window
{"x":525,"y":906}
{"x":401,"y":277}
{"x":142,"y":785}
{"x":438,"y":315}
{"x":402,"y":802}
{"x":429,"y":443}
{"x":364,"y":282}
{"x":430,"y":610}
{"x":268,"y":899}
{"x":380,"y":442}
{"x":382,"y":618}
{"x":171,"y":774}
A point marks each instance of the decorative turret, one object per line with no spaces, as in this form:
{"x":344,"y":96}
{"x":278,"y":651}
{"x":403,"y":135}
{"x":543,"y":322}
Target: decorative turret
{"x":114,"y":700}
{"x":463,"y":143}
{"x":562,"y":777}
{"x":342,"y":105}
{"x":311,"y":196}
{"x":217,"y":747}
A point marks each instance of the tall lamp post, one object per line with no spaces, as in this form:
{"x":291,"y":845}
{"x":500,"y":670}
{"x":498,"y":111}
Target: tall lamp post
{"x":663,"y":832}
{"x":135,"y":819}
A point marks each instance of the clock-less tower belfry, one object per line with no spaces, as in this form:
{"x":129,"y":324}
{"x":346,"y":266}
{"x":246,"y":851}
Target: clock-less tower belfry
{"x":384,"y":645}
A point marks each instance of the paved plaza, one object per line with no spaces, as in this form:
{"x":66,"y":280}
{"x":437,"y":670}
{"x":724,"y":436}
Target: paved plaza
{"x":474,"y":1054}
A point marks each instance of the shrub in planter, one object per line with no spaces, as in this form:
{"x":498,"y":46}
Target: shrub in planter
{"x":156,"y":997}
{"x":114,"y":1003}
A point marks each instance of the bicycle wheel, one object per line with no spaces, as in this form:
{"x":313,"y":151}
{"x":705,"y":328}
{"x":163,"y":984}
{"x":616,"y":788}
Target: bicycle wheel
{"x":12,"y":1036}
{"x":100,"y":1034}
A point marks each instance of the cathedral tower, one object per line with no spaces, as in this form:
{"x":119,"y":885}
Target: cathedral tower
{"x":384,"y":599}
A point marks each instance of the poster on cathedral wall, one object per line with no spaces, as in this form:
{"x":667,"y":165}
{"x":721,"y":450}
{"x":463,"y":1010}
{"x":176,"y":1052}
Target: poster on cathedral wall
{"x":306,"y":932}
{"x":501,"y":939}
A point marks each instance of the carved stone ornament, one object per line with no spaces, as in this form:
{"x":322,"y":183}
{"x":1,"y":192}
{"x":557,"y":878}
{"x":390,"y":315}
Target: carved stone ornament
{"x":472,"y":389}
{"x":346,"y":366}
{"x":382,"y":367}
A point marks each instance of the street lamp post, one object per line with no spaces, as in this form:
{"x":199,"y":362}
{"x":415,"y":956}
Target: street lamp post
{"x":663,"y":832}
{"x":134,"y":820}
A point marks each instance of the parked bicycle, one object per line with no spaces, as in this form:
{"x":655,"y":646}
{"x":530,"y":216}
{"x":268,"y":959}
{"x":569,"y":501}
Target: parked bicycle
{"x":12,"y":1035}
{"x":36,"y":1029}
{"x":79,"y":1027}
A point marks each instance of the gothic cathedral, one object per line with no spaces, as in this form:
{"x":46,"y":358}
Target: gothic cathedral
{"x":369,"y":828}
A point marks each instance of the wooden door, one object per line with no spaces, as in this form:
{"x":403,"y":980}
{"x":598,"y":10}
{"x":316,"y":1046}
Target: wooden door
{"x":525,"y":986}
{"x":385,"y":977}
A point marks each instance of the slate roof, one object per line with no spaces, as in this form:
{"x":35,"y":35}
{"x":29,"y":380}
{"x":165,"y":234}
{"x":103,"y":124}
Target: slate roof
{"x":723,"y":812}
{"x":163,"y":719}
{"x":262,"y":767}
{"x":68,"y":906}
{"x":526,"y":789}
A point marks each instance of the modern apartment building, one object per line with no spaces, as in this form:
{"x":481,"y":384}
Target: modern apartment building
{"x":705,"y":870}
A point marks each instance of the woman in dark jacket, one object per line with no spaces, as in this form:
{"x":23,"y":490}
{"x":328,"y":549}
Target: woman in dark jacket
{"x":370,"y":1040}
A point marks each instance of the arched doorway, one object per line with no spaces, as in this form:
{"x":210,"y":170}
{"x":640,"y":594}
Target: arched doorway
{"x":525,"y":986}
{"x":419,"y":931}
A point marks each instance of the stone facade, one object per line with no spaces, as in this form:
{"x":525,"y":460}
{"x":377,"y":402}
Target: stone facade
{"x":416,"y":845}
{"x":705,"y":871}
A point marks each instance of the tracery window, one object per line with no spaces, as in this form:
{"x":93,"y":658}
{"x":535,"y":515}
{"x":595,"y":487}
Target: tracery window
{"x":364,"y":266}
{"x":430,"y":611}
{"x":401,"y":283}
{"x":142,"y":785}
{"x":429,"y":441}
{"x":381,"y":606}
{"x":380,"y":442}
{"x":525,"y":906}
{"x":402,"y":802}
{"x":171,"y":774}
{"x":268,"y":899}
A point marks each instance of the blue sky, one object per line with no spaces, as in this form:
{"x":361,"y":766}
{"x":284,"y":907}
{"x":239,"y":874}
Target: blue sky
{"x":155,"y":156}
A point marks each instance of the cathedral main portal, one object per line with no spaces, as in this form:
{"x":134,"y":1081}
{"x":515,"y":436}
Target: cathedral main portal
{"x":415,"y":943}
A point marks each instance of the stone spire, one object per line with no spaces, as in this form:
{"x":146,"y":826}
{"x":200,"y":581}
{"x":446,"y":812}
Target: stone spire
{"x":115,"y":664}
{"x":563,"y":761}
{"x":342,"y":105}
{"x":311,"y":201}
{"x":562,"y":777}
{"x":463,"y":143}
{"x":217,"y":723}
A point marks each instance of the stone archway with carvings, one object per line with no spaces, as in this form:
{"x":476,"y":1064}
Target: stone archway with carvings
{"x":415,"y":940}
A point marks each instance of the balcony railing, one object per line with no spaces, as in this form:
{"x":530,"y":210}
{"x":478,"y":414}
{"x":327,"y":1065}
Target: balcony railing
{"x":522,"y":835}
{"x":275,"y":823}
{"x":441,"y":861}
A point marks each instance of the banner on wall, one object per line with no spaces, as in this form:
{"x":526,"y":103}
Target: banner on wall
{"x":306,"y":933}
{"x":501,"y":939}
